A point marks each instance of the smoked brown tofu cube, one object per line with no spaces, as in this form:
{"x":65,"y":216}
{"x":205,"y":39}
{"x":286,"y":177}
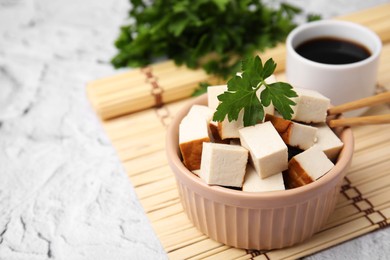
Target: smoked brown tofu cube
{"x":307,"y":167}
{"x":311,"y":106}
{"x":253,"y":182}
{"x":193,"y":131}
{"x":328,"y":141}
{"x":293,"y":133}
{"x":223,"y":164}
{"x":268,"y":152}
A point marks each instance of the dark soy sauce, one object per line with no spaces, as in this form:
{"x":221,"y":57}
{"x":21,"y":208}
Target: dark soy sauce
{"x":332,"y":51}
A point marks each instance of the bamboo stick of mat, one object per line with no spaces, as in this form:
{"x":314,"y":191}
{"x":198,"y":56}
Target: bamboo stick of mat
{"x":159,"y":83}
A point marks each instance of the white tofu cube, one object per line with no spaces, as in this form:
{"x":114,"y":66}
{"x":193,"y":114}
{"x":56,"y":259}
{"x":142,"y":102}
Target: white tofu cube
{"x":268,"y":152}
{"x":311,"y":106}
{"x":223,"y":164}
{"x":253,"y":182}
{"x":206,"y":113}
{"x":307,"y":167}
{"x":228,"y":129}
{"x":294,"y":134}
{"x":203,"y":111}
{"x":328,"y":141}
{"x":212,"y":95}
{"x":193,"y":131}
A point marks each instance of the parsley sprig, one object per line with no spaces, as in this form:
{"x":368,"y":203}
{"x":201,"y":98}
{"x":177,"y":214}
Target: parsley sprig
{"x":252,"y":93}
{"x":212,"y":34}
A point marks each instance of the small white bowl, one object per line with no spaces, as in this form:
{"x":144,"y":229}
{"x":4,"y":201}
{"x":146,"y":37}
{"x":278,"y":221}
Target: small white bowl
{"x":341,"y":83}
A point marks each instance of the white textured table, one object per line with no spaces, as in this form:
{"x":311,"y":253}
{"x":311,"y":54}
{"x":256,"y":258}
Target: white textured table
{"x":63,"y":191}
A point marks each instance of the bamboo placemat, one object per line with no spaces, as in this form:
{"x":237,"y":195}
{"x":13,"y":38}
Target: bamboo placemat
{"x":139,"y":138}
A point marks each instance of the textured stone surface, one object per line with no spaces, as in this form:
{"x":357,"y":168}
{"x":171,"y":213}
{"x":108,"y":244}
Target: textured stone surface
{"x":63,"y":191}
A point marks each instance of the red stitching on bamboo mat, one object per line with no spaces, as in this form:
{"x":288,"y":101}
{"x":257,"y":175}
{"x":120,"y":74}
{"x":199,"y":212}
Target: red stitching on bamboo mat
{"x":346,"y":186}
{"x":255,"y":253}
{"x":164,"y":115}
{"x":156,"y":90}
{"x":359,"y":198}
{"x":383,"y":223}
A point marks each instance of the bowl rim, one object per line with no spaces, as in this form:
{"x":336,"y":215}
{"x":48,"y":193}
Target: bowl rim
{"x":238,"y":197}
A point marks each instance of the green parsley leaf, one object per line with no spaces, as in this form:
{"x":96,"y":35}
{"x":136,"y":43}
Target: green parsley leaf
{"x":242,"y":94}
{"x":279,"y":94}
{"x":313,"y":17}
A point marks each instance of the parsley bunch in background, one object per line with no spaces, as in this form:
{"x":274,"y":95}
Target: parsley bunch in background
{"x":212,"y":34}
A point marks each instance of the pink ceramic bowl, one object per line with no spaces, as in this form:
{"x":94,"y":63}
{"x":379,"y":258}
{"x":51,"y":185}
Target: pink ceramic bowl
{"x":264,"y":220}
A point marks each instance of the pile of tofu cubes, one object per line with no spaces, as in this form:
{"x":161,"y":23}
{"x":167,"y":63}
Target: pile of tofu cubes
{"x":275,"y":154}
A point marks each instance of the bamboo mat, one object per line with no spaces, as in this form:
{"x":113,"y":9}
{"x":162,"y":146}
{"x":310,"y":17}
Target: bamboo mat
{"x":139,"y":138}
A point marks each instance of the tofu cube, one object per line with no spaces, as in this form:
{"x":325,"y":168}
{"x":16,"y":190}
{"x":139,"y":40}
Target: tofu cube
{"x":268,"y":152}
{"x":193,"y":131}
{"x":253,"y":182}
{"x":311,"y":106}
{"x":212,"y":95}
{"x":223,"y":164}
{"x":307,"y":167}
{"x":228,"y":129}
{"x":207,"y":113}
{"x":328,"y":141}
{"x":203,"y":111}
{"x":294,"y":134}
{"x":216,"y":138}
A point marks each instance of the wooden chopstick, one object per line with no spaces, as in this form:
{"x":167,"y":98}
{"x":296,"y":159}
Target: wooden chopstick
{"x":365,"y":120}
{"x":364,"y":102}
